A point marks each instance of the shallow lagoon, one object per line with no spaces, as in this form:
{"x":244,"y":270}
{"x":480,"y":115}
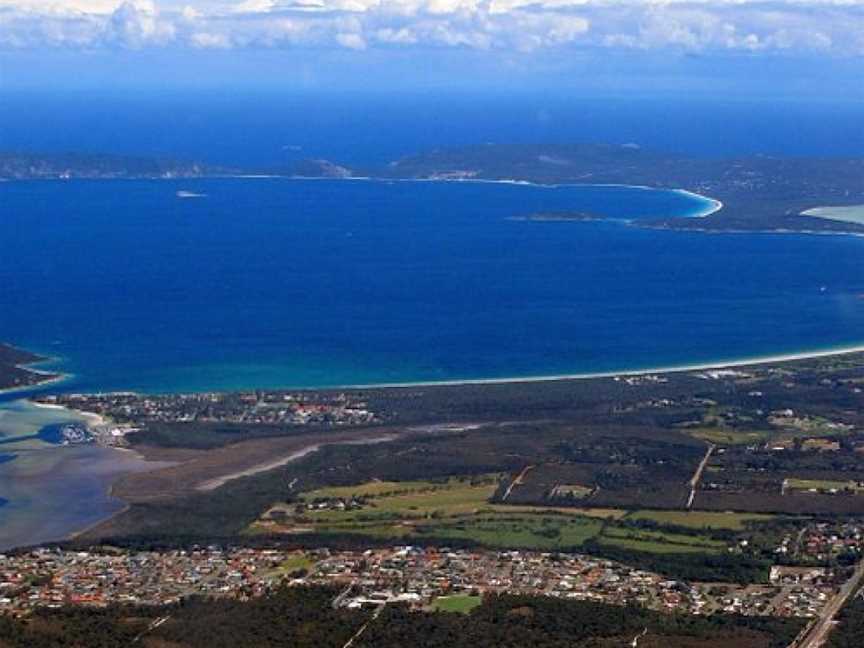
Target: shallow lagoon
{"x":49,"y":491}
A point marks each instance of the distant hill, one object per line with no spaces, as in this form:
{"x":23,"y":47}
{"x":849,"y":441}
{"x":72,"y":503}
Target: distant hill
{"x":26,"y":166}
{"x":759,"y":193}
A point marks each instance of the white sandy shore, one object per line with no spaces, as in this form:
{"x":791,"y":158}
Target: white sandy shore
{"x":720,"y":364}
{"x":92,"y":419}
{"x":623,"y":373}
{"x":60,"y":378}
{"x":853,"y":214}
{"x":714,"y":204}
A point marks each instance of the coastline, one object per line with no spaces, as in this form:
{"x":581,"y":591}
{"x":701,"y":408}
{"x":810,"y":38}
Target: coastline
{"x":54,"y":380}
{"x":216,"y":482}
{"x":779,"y":358}
{"x":92,"y":419}
{"x":714,"y":205}
{"x":32,"y":368}
{"x":704,"y":366}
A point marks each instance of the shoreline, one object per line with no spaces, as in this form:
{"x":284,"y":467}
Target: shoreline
{"x":705,"y":366}
{"x":714,"y":205}
{"x":216,"y":482}
{"x":54,"y":380}
{"x":780,"y":358}
{"x":91,"y":419}
{"x":32,"y":368}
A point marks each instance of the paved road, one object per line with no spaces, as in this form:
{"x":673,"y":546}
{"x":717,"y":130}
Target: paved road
{"x":817,"y":633}
{"x":362,"y":629}
{"x":150,"y":628}
{"x":519,"y":478}
{"x":694,"y":483}
{"x":635,"y":642}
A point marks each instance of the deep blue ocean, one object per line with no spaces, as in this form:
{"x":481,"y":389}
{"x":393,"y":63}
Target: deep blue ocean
{"x":271,"y":282}
{"x":269,"y":128}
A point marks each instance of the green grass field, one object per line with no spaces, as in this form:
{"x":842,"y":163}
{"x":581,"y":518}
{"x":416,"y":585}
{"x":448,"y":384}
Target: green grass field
{"x":727,"y":436}
{"x":374,"y":488}
{"x":511,"y":531}
{"x":409,"y":499}
{"x":463,"y":603}
{"x":660,"y":541}
{"x":700,"y":519}
{"x":459,"y":509}
{"x":295,"y":563}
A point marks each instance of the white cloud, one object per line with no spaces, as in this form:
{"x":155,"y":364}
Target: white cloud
{"x":796,"y":26}
{"x":204,"y":40}
{"x":351,"y":41}
{"x":136,"y":24}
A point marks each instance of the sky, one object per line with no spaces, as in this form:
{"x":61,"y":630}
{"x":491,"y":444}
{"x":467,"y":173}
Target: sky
{"x":794,"y":48}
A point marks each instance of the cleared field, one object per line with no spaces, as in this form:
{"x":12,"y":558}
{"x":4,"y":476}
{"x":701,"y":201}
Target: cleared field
{"x":811,"y":426}
{"x":572,"y":490}
{"x":463,"y":604}
{"x":823,"y":485}
{"x":296,"y":563}
{"x":424,"y":499}
{"x":544,"y":533}
{"x":375,"y":488}
{"x":701,"y":519}
{"x":600,"y":513}
{"x":646,"y":546}
{"x":659,"y":542}
{"x":458,"y":509}
{"x":722,"y":436}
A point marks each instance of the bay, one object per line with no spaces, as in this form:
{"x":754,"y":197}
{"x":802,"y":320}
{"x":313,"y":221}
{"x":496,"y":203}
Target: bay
{"x":283,"y":283}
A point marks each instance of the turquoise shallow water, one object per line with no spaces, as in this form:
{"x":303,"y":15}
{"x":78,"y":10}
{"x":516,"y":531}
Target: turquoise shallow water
{"x":269,"y":282}
{"x":48,"y":491}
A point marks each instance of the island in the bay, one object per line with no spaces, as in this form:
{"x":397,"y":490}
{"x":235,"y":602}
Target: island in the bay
{"x":694,"y":508}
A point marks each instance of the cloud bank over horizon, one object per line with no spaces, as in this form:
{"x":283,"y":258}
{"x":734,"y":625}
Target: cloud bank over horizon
{"x":811,"y":28}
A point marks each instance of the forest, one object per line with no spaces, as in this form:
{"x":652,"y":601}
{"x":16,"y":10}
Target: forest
{"x":305,"y":618}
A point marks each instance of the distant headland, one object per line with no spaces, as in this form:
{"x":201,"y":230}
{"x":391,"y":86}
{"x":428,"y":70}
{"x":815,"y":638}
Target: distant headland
{"x":16,"y":371}
{"x":757,"y":193}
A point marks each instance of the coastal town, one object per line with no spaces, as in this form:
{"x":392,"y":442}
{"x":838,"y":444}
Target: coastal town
{"x":418,"y":577}
{"x":114,"y":415}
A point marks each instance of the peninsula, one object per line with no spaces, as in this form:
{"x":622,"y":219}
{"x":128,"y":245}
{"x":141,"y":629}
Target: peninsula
{"x":67,"y":166}
{"x":758,"y":193}
{"x":16,"y":372}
